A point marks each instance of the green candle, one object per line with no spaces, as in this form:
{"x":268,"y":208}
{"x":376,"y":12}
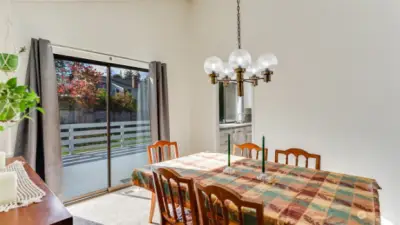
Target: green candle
{"x":263,"y":154}
{"x":229,"y":149}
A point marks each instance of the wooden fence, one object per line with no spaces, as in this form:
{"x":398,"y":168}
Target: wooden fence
{"x":93,"y":136}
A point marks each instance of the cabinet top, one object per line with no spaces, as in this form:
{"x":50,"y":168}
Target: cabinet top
{"x":233,"y":125}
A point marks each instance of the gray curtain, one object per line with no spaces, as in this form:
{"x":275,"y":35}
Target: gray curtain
{"x":159,"y":109}
{"x":38,"y":140}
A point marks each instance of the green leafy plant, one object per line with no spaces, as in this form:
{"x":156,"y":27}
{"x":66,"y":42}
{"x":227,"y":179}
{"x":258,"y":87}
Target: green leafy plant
{"x":123,"y":102}
{"x":16,"y":102}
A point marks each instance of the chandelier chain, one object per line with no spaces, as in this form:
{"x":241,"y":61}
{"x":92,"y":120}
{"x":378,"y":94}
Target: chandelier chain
{"x":238,"y":26}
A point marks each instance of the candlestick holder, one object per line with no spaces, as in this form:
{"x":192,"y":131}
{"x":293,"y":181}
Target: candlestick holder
{"x":229,"y":170}
{"x":263,"y":177}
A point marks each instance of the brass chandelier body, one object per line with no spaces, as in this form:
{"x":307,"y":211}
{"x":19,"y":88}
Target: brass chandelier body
{"x":240,"y":69}
{"x":240,"y":79}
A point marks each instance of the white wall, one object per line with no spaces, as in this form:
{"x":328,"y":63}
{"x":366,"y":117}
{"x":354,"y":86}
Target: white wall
{"x":336,"y":91}
{"x":6,"y":137}
{"x":146,"y":30}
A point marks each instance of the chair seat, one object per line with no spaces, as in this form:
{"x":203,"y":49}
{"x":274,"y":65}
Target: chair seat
{"x":188,"y":213}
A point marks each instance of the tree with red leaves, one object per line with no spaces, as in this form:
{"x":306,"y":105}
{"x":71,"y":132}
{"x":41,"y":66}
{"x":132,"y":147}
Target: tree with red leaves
{"x":79,"y":82}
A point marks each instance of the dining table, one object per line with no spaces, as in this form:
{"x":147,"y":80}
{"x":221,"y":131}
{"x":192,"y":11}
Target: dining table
{"x":292,"y":195}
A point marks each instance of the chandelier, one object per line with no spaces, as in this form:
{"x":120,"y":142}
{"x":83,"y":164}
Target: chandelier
{"x":240,"y":68}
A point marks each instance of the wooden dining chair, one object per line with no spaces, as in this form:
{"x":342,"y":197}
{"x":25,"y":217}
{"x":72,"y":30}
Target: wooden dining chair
{"x":171,"y":197}
{"x":161,"y":151}
{"x":250,"y":148}
{"x":158,"y":152}
{"x":297,"y":152}
{"x":210,"y":214}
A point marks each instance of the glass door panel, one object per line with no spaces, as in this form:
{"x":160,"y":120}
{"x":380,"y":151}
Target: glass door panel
{"x":130,"y":125}
{"x":82,"y":98}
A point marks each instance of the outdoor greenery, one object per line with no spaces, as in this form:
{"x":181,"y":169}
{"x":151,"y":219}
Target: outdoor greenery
{"x":129,"y":74}
{"x":82,"y":91}
{"x":78,"y":83}
{"x":119,"y":102}
{"x":123,"y":101}
{"x":84,"y":84}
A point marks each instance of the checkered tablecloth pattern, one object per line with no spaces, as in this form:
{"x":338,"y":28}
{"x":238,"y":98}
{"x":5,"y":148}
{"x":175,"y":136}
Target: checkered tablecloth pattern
{"x":296,"y":195}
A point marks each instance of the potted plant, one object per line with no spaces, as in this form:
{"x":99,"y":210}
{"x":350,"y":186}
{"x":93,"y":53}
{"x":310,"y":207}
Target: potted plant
{"x":16,"y":101}
{"x":9,"y":62}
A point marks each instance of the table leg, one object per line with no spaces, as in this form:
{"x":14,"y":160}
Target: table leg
{"x":152,"y":206}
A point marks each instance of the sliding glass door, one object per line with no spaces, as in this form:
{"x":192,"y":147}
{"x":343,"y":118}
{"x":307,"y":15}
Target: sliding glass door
{"x":130,"y":125}
{"x":104,"y":118}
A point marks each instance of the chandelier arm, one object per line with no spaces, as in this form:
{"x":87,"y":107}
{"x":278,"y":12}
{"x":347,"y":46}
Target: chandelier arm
{"x":251,"y":79}
{"x":221,"y":80}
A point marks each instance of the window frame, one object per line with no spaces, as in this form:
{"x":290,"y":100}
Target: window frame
{"x":100,"y":63}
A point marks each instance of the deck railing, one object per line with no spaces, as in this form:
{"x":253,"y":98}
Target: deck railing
{"x":93,"y":136}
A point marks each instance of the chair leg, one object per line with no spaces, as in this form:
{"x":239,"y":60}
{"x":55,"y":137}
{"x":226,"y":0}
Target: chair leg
{"x":152,"y":206}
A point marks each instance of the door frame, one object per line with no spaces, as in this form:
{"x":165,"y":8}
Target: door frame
{"x":217,"y":110}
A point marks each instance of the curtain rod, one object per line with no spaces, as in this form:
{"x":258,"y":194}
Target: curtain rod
{"x":99,"y":53}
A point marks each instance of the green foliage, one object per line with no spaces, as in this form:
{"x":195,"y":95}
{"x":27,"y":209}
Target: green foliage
{"x":102,"y":98}
{"x":117,"y":76}
{"x":123,"y":102}
{"x":129,"y":74}
{"x":16,"y":102}
{"x":119,"y":102}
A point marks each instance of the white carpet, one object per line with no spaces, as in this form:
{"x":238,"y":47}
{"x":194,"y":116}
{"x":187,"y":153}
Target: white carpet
{"x":126,"y":207}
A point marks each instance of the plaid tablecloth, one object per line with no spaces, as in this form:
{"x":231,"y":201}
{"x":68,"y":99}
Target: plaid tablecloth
{"x":296,"y":196}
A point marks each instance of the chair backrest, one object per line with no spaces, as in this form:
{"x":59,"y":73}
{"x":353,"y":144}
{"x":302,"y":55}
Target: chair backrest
{"x":205,"y":195}
{"x":298,"y":152}
{"x":250,"y":147}
{"x":156,"y":152}
{"x":172,"y":202}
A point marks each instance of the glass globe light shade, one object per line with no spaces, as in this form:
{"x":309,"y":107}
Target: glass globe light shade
{"x":267,"y":60}
{"x":213,"y":65}
{"x":240,"y":58}
{"x":253,"y":69}
{"x":227,"y":70}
